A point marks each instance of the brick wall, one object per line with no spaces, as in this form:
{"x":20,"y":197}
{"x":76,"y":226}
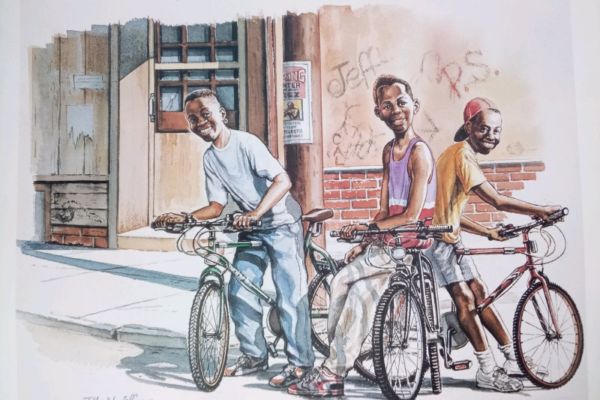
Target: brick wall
{"x":353,"y":193}
{"x":80,"y":236}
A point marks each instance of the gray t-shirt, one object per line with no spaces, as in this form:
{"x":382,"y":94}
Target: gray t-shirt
{"x":245,"y":170}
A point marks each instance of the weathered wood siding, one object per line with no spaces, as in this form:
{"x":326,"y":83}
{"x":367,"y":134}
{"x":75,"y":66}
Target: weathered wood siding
{"x":57,"y":149}
{"x":79,"y":204}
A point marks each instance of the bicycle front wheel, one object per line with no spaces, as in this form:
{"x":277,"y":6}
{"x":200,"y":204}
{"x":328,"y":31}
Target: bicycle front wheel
{"x":399,"y":345}
{"x":319,"y":299}
{"x":208,"y":336}
{"x":549,"y":360}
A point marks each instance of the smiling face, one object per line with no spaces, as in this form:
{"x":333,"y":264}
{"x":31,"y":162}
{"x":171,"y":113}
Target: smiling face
{"x":205,"y":117}
{"x":484,"y":132}
{"x":396,"y":108}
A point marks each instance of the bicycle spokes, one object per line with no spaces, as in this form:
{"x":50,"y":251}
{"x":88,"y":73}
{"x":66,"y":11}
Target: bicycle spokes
{"x":211,"y":322}
{"x":548,"y":357}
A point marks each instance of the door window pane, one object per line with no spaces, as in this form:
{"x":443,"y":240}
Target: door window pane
{"x":170,"y":76}
{"x":199,"y":75}
{"x":225,"y":74}
{"x":171,"y":98}
{"x":170,"y":34}
{"x":198,"y":55}
{"x":198,"y":33}
{"x":225,"y":32}
{"x":170,"y":55}
{"x":225,"y":53}
{"x":227,"y":96}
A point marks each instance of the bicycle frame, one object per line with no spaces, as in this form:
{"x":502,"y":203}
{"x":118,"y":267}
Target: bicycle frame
{"x":514,"y":277}
{"x":314,"y":230}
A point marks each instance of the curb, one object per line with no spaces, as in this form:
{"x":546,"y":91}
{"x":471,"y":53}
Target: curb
{"x":134,"y":334}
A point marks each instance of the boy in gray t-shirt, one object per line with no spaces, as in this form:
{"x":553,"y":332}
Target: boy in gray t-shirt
{"x":238,"y":164}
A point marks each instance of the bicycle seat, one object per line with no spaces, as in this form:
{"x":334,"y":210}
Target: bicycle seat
{"x":318,"y":215}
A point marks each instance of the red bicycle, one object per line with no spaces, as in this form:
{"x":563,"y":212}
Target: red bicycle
{"x":547,"y":328}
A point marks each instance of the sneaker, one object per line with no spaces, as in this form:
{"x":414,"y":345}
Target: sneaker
{"x":246,"y":365}
{"x":512,"y":368}
{"x":290,"y":374}
{"x":319,"y":382}
{"x":498,"y":380}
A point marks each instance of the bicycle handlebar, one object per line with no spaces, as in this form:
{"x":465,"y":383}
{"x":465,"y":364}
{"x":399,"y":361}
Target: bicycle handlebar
{"x":425,"y":231}
{"x":511,"y":232}
{"x":226,"y":223}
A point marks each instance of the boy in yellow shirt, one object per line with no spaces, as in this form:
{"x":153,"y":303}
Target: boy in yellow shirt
{"x":458,"y":176}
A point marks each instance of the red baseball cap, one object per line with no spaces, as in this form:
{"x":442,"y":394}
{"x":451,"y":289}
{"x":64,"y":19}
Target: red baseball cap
{"x":472,"y":108}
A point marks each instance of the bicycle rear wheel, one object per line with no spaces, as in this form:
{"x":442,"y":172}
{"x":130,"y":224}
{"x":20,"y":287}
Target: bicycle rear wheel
{"x":399,"y":345}
{"x":547,"y":359}
{"x":208,"y":336}
{"x":318,"y":303}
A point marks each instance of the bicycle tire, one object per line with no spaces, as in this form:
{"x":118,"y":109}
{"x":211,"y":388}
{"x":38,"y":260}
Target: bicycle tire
{"x":379,"y":345}
{"x":318,"y":333}
{"x":207,"y":379}
{"x":520,"y":337}
{"x":364,"y":363}
{"x":434,"y":365}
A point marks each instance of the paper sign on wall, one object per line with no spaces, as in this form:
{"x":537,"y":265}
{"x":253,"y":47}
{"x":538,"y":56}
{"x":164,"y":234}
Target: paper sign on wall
{"x":297,"y":118}
{"x":88,"y":82}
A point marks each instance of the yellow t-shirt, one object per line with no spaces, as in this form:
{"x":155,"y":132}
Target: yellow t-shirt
{"x":457,"y":173}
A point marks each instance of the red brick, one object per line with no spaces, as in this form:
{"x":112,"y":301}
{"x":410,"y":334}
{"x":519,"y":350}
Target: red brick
{"x":331,"y":177}
{"x":488,"y":170}
{"x":354,"y":194}
{"x":506,"y":193}
{"x":66,"y":230}
{"x":365,"y":203}
{"x":527,"y":176}
{"x":484,"y":208}
{"x":332,"y":225}
{"x":337,"y":204}
{"x":469,"y":208}
{"x":355,"y":214}
{"x":336,"y":184}
{"x":332,"y":195}
{"x":56,"y":239}
{"x":337,"y":214}
{"x":516,"y":168}
{"x":368,"y":184}
{"x":475,"y":199}
{"x":80,"y":240}
{"x":101,"y":242}
{"x":94,"y":232}
{"x":373,"y":213}
{"x":374,"y":194}
{"x":498,"y":216}
{"x":510,"y":185}
{"x":484,"y":217}
{"x":354,"y":176}
{"x":535,"y":167}
{"x":375,"y":175}
{"x":497,"y":177}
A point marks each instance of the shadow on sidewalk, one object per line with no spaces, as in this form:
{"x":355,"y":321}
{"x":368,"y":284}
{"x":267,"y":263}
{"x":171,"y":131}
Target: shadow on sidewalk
{"x":33,"y":249}
{"x":164,"y":367}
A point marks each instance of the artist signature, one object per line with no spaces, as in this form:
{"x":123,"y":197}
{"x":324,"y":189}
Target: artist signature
{"x":131,"y":397}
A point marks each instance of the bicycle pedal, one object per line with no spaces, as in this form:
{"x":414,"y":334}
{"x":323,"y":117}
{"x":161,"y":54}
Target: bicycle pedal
{"x":461,"y":365}
{"x":272,"y":350}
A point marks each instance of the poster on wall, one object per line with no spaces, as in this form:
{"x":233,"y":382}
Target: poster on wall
{"x":297,"y":102}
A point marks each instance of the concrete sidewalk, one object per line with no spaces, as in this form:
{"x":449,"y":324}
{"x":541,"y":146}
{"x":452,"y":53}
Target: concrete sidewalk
{"x":132,"y":296}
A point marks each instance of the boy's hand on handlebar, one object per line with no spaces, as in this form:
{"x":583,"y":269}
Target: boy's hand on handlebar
{"x":353,"y":253}
{"x":494,"y":234}
{"x":242,"y":221}
{"x":545,"y":212}
{"x":169,"y":218}
{"x":347,"y":231}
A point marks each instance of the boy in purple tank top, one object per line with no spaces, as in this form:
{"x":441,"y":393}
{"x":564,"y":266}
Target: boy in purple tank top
{"x":407,"y":195}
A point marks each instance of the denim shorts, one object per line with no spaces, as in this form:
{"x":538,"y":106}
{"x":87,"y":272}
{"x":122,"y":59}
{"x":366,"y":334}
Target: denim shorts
{"x":446,"y":266}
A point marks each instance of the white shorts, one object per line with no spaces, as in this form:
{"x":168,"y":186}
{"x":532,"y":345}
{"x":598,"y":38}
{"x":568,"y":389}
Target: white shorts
{"x":446,"y":266}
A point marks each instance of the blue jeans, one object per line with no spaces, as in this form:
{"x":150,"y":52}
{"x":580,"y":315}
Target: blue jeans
{"x":283,"y":247}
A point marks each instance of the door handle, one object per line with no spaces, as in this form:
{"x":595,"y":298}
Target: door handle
{"x":152,"y":107}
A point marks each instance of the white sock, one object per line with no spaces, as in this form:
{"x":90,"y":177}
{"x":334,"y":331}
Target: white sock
{"x":486,"y":361}
{"x":509,"y":351}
